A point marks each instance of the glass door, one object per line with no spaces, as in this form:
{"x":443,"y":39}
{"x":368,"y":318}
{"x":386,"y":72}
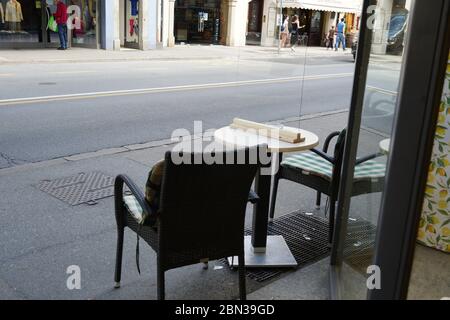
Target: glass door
{"x":132,"y":30}
{"x":379,"y":101}
{"x":386,"y":149}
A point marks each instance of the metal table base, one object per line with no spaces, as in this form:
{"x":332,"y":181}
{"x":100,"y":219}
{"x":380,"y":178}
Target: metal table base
{"x":276,"y":254}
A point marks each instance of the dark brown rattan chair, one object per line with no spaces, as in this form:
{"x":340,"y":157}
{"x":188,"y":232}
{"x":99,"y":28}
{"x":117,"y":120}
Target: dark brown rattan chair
{"x":201,"y":215}
{"x":322,"y":172}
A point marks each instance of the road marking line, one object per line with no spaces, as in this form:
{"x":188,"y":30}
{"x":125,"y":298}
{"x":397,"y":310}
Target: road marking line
{"x":7,"y":74}
{"x":384,"y":91}
{"x":101,"y":94}
{"x":72,"y":72}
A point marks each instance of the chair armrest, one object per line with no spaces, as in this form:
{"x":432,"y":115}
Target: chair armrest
{"x":253,"y":197}
{"x":369,"y":157}
{"x":324,"y":155}
{"x":122,"y":180}
{"x":328,"y":140}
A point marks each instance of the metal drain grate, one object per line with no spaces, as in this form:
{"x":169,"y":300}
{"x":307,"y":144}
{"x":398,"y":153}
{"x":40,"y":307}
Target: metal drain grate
{"x":307,"y":238}
{"x":80,"y":188}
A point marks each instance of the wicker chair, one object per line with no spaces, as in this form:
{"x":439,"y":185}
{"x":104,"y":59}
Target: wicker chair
{"x":201,"y":215}
{"x":322,"y":172}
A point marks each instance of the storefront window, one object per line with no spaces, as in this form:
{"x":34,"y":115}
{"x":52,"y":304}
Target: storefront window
{"x":84,"y":22}
{"x":20,"y":21}
{"x":199,"y":23}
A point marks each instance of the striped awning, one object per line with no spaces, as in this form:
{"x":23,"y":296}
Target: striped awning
{"x":347,"y":6}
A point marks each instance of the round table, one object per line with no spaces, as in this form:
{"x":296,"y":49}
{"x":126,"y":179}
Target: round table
{"x":262,"y":250}
{"x":242,"y":138}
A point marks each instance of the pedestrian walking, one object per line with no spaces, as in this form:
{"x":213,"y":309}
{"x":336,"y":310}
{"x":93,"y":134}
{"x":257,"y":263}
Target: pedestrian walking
{"x":330,"y":38}
{"x":284,"y":35}
{"x":340,"y":37}
{"x":61,"y":19}
{"x":295,"y":22}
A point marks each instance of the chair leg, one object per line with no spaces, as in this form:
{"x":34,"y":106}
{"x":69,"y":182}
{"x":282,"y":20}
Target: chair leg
{"x":119,"y":252}
{"x":331,"y":220}
{"x":318,"y":198}
{"x":274,"y":197}
{"x":241,"y":271}
{"x":160,"y":283}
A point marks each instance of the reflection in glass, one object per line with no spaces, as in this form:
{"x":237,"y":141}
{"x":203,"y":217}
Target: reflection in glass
{"x":380,"y":99}
{"x":85,"y":22}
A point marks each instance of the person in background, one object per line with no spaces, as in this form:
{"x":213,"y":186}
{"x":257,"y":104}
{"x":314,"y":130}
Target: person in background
{"x":61,"y":19}
{"x":295,"y":22}
{"x":330,"y":38}
{"x":340,"y":35}
{"x":284,"y":32}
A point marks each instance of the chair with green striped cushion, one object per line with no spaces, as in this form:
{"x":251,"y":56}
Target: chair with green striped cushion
{"x":320,"y":171}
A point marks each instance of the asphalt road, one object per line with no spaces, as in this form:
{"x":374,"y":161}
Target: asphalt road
{"x":54,"y":110}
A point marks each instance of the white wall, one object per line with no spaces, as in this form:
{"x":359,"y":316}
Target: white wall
{"x":240,"y":21}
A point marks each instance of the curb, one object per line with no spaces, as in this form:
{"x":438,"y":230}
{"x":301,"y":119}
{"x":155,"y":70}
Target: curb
{"x":245,"y":56}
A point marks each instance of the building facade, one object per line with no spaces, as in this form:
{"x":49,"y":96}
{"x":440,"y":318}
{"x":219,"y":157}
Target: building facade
{"x":149,"y":24}
{"x":316,"y":18}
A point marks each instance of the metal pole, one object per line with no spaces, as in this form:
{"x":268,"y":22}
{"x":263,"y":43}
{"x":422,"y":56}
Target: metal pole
{"x":279,"y":27}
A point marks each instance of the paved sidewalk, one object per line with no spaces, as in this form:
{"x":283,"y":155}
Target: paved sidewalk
{"x":42,"y":236}
{"x":179,"y":52}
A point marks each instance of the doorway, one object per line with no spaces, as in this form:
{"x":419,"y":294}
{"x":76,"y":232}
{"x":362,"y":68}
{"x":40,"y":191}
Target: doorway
{"x":23,"y":24}
{"x":254,"y":22}
{"x":131,"y":23}
{"x":392,"y":120}
{"x":197,"y":23}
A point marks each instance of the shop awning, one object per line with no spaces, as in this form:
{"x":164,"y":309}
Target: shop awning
{"x":347,"y":6}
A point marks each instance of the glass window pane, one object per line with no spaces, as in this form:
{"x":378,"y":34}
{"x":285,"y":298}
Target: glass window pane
{"x":389,"y":28}
{"x":20,"y":21}
{"x":85,"y":20}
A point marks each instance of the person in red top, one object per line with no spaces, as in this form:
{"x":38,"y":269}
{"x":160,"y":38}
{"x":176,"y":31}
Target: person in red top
{"x":61,"y":19}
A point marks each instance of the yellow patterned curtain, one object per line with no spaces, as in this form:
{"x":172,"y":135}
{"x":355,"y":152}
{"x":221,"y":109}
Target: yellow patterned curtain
{"x":434,"y":229}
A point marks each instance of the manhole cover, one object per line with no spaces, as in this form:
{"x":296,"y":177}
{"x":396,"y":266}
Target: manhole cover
{"x":80,"y":188}
{"x":47,"y":83}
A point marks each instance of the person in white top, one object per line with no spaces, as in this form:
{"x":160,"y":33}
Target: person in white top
{"x":284,"y":35}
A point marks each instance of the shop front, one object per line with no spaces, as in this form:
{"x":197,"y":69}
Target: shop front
{"x":23,"y":23}
{"x":315,"y":17}
{"x":198,"y":21}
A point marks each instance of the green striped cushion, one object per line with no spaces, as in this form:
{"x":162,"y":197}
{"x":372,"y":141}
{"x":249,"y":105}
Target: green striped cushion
{"x":370,"y":170}
{"x":311,"y":163}
{"x":134,"y":208}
